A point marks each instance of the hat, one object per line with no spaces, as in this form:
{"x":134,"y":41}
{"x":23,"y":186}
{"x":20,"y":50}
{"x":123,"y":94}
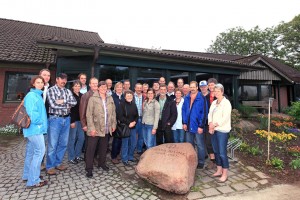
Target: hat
{"x":62,"y":76}
{"x":203,"y":83}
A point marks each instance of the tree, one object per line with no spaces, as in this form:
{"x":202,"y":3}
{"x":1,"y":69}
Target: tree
{"x":280,"y":42}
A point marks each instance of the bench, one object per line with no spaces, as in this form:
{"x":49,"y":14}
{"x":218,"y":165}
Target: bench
{"x":264,"y":105}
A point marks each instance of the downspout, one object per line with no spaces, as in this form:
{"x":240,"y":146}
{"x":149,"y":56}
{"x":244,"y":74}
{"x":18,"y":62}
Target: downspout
{"x":96,"y":56}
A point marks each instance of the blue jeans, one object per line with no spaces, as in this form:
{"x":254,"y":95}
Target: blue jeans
{"x":190,"y":138}
{"x":76,"y":140}
{"x":58,"y":137}
{"x":178,"y":135}
{"x":140,"y":141}
{"x":219,"y":142}
{"x":149,"y":138}
{"x":35,"y":150}
{"x":128,"y":146}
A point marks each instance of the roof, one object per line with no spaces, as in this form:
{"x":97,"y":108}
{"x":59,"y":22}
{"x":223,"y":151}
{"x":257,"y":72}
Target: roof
{"x":288,"y":72}
{"x":18,"y":40}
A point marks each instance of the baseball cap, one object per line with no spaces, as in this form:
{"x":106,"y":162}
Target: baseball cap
{"x":203,"y":83}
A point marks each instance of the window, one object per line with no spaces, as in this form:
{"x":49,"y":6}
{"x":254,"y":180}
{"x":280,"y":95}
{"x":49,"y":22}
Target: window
{"x":149,"y":75}
{"x":175,"y":75}
{"x":16,"y":85}
{"x":265,"y":92}
{"x":115,"y":73}
{"x":248,"y":93}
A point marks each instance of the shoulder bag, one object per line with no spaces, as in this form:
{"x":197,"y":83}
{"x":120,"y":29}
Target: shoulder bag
{"x":20,"y":116}
{"x":123,"y":130}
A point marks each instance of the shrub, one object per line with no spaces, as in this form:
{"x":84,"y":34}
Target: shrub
{"x":246,"y":111}
{"x":294,"y":151}
{"x":255,"y":151}
{"x":277,"y":163}
{"x":244,"y":147}
{"x":294,"y":110}
{"x":295,"y":164}
{"x":9,"y":130}
{"x":281,"y":137}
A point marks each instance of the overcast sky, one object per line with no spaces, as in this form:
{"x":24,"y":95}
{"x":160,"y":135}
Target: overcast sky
{"x":167,"y":24}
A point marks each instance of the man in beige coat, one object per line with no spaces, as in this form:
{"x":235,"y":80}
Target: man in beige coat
{"x":101,"y":121}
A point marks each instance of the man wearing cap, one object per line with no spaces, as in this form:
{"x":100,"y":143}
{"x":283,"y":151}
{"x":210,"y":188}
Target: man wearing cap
{"x":60,"y":102}
{"x":207,"y":136}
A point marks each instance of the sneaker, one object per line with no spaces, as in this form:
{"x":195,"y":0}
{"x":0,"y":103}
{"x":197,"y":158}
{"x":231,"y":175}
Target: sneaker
{"x":74,"y":162}
{"x":61,"y":167}
{"x":125,"y":163}
{"x":51,"y":171}
{"x":200,"y":166}
{"x":134,"y":160}
{"x":115,"y":161}
{"x":140,"y":153}
{"x":78,"y":159}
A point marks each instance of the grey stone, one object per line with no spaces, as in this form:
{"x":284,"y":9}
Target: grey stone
{"x":239,"y":186}
{"x":251,"y":184}
{"x":194,"y":195}
{"x":225,"y":189}
{"x":261,"y":175}
{"x":210,"y":192}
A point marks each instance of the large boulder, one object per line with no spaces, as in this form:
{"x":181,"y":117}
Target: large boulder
{"x":169,"y":166}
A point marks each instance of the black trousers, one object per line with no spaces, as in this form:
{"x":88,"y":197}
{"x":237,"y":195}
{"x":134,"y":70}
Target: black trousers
{"x":207,"y":140}
{"x":91,"y":149}
{"x":164,"y":136}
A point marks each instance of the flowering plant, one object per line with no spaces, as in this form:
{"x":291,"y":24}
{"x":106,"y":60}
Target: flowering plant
{"x":294,"y":150}
{"x":282,"y":137}
{"x":9,"y":130}
{"x":280,"y":124}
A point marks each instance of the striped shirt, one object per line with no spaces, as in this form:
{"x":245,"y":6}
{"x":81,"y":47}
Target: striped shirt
{"x":55,"y":93}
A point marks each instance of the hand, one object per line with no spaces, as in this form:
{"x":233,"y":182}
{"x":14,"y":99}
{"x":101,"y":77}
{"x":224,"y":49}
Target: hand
{"x":84,"y":129}
{"x":184,"y":127}
{"x":113,"y":129}
{"x":73,"y":125}
{"x":153,"y":131}
{"x":169,"y":124}
{"x":200,"y":130}
{"x":59,"y":101}
{"x":211,"y":130}
{"x":93,"y":133}
{"x":211,"y":125}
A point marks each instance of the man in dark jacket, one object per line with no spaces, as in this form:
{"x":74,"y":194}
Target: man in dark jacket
{"x":167,"y":118}
{"x":194,"y":112}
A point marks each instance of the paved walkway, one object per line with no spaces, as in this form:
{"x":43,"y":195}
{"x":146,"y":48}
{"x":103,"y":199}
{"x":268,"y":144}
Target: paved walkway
{"x":120,"y":182}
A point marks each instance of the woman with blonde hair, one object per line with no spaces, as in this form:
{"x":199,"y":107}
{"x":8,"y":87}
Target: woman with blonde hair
{"x":219,"y":121}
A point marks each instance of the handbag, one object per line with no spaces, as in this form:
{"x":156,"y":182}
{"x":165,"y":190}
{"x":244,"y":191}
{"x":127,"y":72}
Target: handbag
{"x":20,"y":116}
{"x":123,"y":130}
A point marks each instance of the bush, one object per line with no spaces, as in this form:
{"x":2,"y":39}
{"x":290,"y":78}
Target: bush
{"x":244,"y":147}
{"x":246,"y":111}
{"x":255,"y":151}
{"x":277,"y":163}
{"x":295,"y":164}
{"x":294,"y":110}
{"x":9,"y":130}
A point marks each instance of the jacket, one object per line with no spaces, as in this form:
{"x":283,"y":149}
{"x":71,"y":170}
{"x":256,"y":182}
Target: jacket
{"x":117,"y":101}
{"x":195,"y":116}
{"x":169,"y":112}
{"x":151,"y":113}
{"x":128,"y":112}
{"x":83,"y":106}
{"x":75,"y":110}
{"x":95,"y":115}
{"x":35,"y":108}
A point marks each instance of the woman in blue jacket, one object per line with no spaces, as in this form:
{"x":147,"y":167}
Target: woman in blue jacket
{"x":35,"y":148}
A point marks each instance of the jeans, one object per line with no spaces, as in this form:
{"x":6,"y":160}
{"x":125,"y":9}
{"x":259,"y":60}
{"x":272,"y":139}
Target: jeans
{"x":178,"y":135}
{"x":149,"y":138}
{"x":190,"y":138}
{"x":219,"y":142}
{"x":140,"y":141}
{"x":35,"y":150}
{"x":116,"y":147}
{"x":128,"y":146}
{"x":76,"y":140}
{"x":58,"y":137}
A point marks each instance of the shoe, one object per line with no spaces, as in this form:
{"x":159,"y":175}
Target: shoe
{"x":40,"y":184}
{"x":61,"y":167}
{"x":219,"y":181}
{"x":73,"y":161}
{"x":25,"y":180}
{"x":140,"y":153}
{"x":104,"y":167}
{"x":200,"y":166}
{"x":78,"y":159}
{"x":125,"y":163}
{"x":51,"y":171}
{"x":134,"y":161}
{"x":89,"y":174}
{"x":115,"y":161}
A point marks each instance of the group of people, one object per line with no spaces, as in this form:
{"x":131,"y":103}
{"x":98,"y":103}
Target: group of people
{"x":86,"y":119}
